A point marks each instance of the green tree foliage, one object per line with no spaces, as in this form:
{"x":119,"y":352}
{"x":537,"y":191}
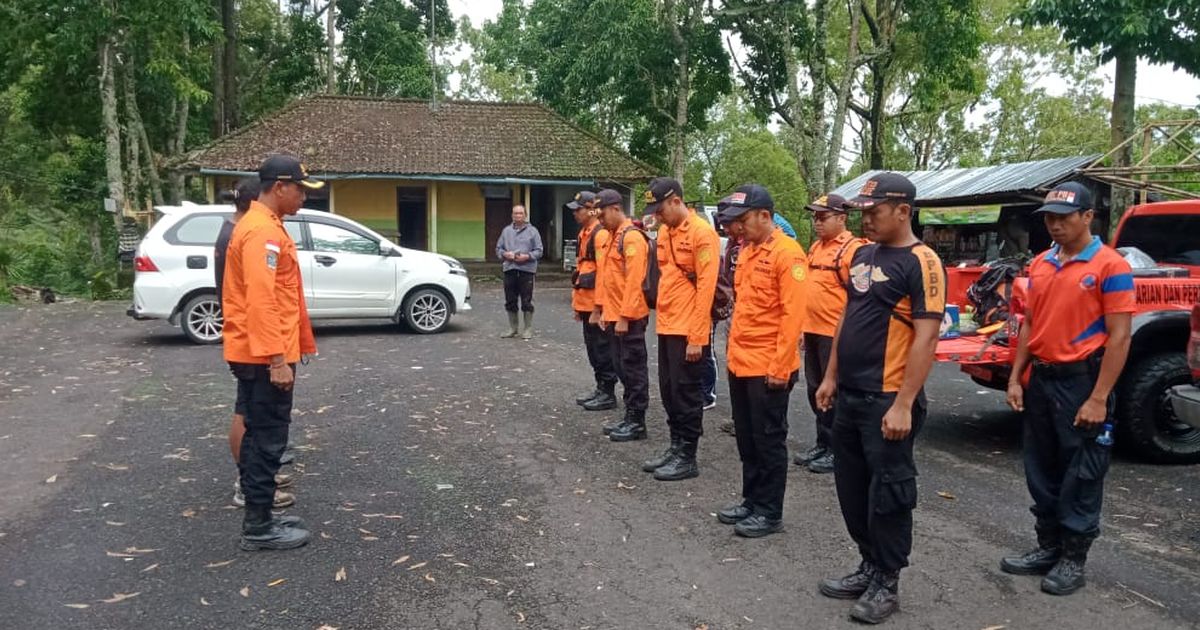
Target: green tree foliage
{"x":385,"y":45}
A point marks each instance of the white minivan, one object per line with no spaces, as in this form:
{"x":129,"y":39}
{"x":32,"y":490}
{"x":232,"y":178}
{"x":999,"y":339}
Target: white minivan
{"x":349,"y":272}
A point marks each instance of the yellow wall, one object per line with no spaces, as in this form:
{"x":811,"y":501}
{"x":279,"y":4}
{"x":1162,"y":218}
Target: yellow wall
{"x":371,"y":202}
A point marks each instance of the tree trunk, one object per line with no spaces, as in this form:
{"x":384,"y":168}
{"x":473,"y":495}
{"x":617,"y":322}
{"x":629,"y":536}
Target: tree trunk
{"x":137,"y":133}
{"x":229,"y":61}
{"x":112,"y":129}
{"x":331,"y":44}
{"x":178,"y":144}
{"x":814,"y":149}
{"x":878,"y":101}
{"x":833,"y":158}
{"x":1122,"y":125}
{"x":218,"y":75}
{"x":682,"y":81}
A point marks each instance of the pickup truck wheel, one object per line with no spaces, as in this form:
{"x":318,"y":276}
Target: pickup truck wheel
{"x":426,"y":311}
{"x":201,"y":319}
{"x":1146,"y":421}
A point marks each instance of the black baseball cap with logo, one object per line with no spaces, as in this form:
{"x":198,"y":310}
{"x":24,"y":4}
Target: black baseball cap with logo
{"x":661,"y":189}
{"x":583,"y":199}
{"x":828,"y":203}
{"x":881,"y":188}
{"x":285,"y":168}
{"x":747,"y":198}
{"x":1067,"y":198}
{"x":609,"y":197}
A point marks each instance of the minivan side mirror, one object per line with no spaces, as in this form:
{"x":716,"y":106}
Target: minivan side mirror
{"x":387,"y":250}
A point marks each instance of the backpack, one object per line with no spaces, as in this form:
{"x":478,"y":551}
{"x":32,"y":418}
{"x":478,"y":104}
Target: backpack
{"x":722,"y":305}
{"x":991,"y":293}
{"x":586,"y":280}
{"x":650,"y":282}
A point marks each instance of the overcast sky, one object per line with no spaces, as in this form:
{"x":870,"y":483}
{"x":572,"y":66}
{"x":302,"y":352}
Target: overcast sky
{"x":1155,"y":83}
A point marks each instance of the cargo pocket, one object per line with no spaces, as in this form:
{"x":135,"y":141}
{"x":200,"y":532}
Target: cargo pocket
{"x":1093,"y":461}
{"x":896,"y":492}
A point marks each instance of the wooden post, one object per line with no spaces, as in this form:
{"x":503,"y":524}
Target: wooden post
{"x":433,"y":216}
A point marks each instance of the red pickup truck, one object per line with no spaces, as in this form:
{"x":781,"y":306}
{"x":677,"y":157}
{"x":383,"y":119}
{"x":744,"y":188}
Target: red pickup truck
{"x":1147,"y":395}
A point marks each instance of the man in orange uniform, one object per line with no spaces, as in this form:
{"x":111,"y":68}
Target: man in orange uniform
{"x":622,"y":311}
{"x":883,"y":351}
{"x":266,"y":333}
{"x":592,"y":238}
{"x":829,"y":269}
{"x":688,"y":251}
{"x":1076,"y":336}
{"x":763,"y":358}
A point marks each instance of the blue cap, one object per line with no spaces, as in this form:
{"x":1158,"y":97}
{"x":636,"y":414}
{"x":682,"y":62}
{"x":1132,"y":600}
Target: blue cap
{"x":747,"y":198}
{"x":1067,"y":198}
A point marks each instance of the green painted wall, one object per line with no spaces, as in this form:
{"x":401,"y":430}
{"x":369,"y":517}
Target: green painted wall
{"x":461,"y":239}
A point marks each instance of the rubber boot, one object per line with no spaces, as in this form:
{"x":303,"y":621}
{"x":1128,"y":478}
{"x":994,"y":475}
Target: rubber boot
{"x":260,"y":530}
{"x":880,"y":601}
{"x":682,"y":465}
{"x":633,"y":427}
{"x":514,"y":322}
{"x":527,"y":333}
{"x":1038,"y":561}
{"x":1068,"y":575}
{"x":652,"y":464}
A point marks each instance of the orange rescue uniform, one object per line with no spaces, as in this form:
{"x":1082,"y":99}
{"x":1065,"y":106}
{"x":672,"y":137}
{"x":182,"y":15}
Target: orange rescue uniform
{"x":684,"y":303}
{"x":764,"y":337}
{"x":592,"y":238}
{"x":619,"y":285}
{"x":829,"y":271}
{"x":265,"y":313}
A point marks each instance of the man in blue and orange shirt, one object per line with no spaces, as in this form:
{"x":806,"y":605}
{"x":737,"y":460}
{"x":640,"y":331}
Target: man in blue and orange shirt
{"x":266,"y":334}
{"x":1076,"y":336}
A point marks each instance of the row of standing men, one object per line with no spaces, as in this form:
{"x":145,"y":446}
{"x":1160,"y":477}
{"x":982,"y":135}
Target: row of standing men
{"x":869,"y":313}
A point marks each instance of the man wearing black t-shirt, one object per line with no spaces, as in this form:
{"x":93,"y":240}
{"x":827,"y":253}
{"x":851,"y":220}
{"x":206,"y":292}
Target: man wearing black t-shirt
{"x":895,"y":304}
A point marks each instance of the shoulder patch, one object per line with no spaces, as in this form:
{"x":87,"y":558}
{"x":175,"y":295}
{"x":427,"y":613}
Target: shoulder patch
{"x":798,"y":273}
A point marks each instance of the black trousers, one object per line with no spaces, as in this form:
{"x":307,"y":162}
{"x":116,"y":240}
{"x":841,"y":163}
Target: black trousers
{"x":1064,"y":466}
{"x":876,"y":479}
{"x":598,"y":353}
{"x":817,"y":350}
{"x":679,"y":384}
{"x":761,"y":427}
{"x":518,"y":284}
{"x":268,"y":416}
{"x":629,"y":360}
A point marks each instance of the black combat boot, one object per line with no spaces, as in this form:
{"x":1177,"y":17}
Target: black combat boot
{"x":1038,"y":561}
{"x":602,"y":401}
{"x":815,"y":451}
{"x":632,"y":428}
{"x":881,"y":599}
{"x":583,"y":398}
{"x":680,"y":466}
{"x":734,"y":514}
{"x":851,"y":586}
{"x":650,"y":465}
{"x":1068,"y":575}
{"x":757,"y":526}
{"x":822,"y":465}
{"x":262,"y":531}
{"x":612,"y":425}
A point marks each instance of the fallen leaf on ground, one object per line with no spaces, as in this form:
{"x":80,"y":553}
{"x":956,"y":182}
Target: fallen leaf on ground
{"x":490,"y":581}
{"x":400,"y":560}
{"x":622,"y":486}
{"x":276,"y":582}
{"x":136,"y":550}
{"x":114,"y":554}
{"x":79,"y":606}
{"x":150,"y":568}
{"x":327,"y":627}
{"x":520,"y":617}
{"x":52,"y":479}
{"x":213,"y":565}
{"x":116,"y":466}
{"x":188,"y":513}
{"x":340,"y":576}
{"x":946,"y":495}
{"x":245,"y":592}
{"x":120,"y":597}
{"x":429,"y":577}
{"x":114,"y":523}
{"x":204,"y":602}
{"x":995,"y":628}
{"x":417,"y":566}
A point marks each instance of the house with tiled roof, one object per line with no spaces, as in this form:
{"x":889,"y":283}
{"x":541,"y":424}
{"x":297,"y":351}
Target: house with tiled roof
{"x":442,"y":179}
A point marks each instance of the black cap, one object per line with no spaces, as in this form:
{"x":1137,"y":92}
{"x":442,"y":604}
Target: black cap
{"x":1067,"y":198}
{"x":286,"y":168}
{"x":661,"y":189}
{"x":609,"y":197}
{"x":583,"y":199}
{"x":722,"y":215}
{"x":747,"y":198}
{"x":885,"y":186}
{"x":828,"y":203}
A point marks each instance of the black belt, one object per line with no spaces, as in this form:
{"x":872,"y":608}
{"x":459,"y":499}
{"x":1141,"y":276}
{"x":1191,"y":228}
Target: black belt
{"x":1082,"y":367}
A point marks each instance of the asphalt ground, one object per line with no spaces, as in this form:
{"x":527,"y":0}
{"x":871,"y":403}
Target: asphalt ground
{"x":451,"y":482}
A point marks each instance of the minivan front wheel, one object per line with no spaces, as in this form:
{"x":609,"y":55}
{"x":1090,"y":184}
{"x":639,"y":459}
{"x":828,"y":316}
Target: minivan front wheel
{"x":426,"y":311}
{"x":202,"y":320}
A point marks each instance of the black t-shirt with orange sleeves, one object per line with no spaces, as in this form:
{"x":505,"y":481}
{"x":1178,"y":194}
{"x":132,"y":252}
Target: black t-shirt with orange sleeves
{"x":829,"y":271}
{"x":889,"y":288}
{"x":592,"y":239}
{"x":1068,"y":301}
{"x":689,"y":262}
{"x":623,"y":263}
{"x":764,"y":336}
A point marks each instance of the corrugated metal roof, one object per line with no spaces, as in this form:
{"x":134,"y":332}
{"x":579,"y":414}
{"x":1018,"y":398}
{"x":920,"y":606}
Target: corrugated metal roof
{"x":974,"y":185}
